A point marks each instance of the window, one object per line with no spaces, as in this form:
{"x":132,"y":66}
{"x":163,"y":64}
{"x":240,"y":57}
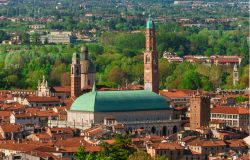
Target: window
{"x":147,"y":59}
{"x":235,"y":117}
{"x":235,"y":123}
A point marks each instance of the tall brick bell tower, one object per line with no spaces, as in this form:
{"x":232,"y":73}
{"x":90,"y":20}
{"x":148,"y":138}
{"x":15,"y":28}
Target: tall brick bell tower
{"x":75,"y":75}
{"x":199,"y":111}
{"x":151,"y":81}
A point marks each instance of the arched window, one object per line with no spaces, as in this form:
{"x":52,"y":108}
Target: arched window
{"x":147,"y":59}
{"x":153,"y":130}
{"x":164,"y":131}
{"x":174,"y":129}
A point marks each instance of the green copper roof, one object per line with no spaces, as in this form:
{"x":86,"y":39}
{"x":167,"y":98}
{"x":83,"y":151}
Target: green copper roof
{"x":150,"y":23}
{"x":116,"y":101}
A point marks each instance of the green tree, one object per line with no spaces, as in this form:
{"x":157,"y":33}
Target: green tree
{"x":3,"y":36}
{"x":35,"y":38}
{"x":116,"y":75}
{"x":240,"y":99}
{"x":81,"y":153}
{"x":25,"y":38}
{"x":191,"y":80}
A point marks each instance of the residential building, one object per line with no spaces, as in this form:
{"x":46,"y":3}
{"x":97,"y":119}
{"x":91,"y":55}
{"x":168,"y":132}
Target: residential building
{"x":37,"y":26}
{"x":172,"y":150}
{"x":225,"y":60}
{"x":58,"y":37}
{"x":232,"y":116}
{"x":11,"y":131}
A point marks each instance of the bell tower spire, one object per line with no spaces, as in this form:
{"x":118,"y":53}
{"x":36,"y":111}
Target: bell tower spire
{"x":235,"y":75}
{"x":151,"y":80}
{"x":75,"y":75}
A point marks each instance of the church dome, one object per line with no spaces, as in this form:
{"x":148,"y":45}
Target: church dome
{"x":118,"y":101}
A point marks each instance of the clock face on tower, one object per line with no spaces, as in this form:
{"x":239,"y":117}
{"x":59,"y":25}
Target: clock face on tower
{"x":148,"y":86}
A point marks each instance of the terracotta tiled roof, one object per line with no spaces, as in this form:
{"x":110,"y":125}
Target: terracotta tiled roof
{"x":71,"y":142}
{"x":43,"y":135}
{"x":188,"y":138}
{"x":11,"y":107}
{"x":46,"y":113}
{"x":23,"y":115}
{"x":119,"y":126}
{"x":5,"y":113}
{"x":32,"y":110}
{"x":61,"y":89}
{"x":94,"y":130}
{"x":42,"y":99}
{"x":167,"y":146}
{"x":18,"y":146}
{"x":230,"y":110}
{"x":206,"y":143}
{"x":2,"y":99}
{"x":236,"y":143}
{"x":11,"y":127}
{"x":173,"y":94}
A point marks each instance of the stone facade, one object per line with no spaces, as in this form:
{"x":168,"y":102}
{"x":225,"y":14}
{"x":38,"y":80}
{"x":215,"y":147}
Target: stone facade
{"x":43,"y":89}
{"x":157,"y":122}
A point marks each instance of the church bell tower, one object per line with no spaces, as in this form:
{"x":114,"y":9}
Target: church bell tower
{"x":75,"y":75}
{"x":151,"y":81}
{"x":235,"y":75}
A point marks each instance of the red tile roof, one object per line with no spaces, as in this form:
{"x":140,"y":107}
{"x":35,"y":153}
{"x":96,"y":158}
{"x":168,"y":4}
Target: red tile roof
{"x":236,"y":143}
{"x":173,"y":94}
{"x":5,"y":113}
{"x":11,"y":127}
{"x":46,"y":113}
{"x":43,"y":135}
{"x":230,"y":110}
{"x":206,"y":143}
{"x":61,"y":89}
{"x":18,"y":146}
{"x":42,"y":99}
{"x":167,"y":146}
{"x":23,"y":115}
